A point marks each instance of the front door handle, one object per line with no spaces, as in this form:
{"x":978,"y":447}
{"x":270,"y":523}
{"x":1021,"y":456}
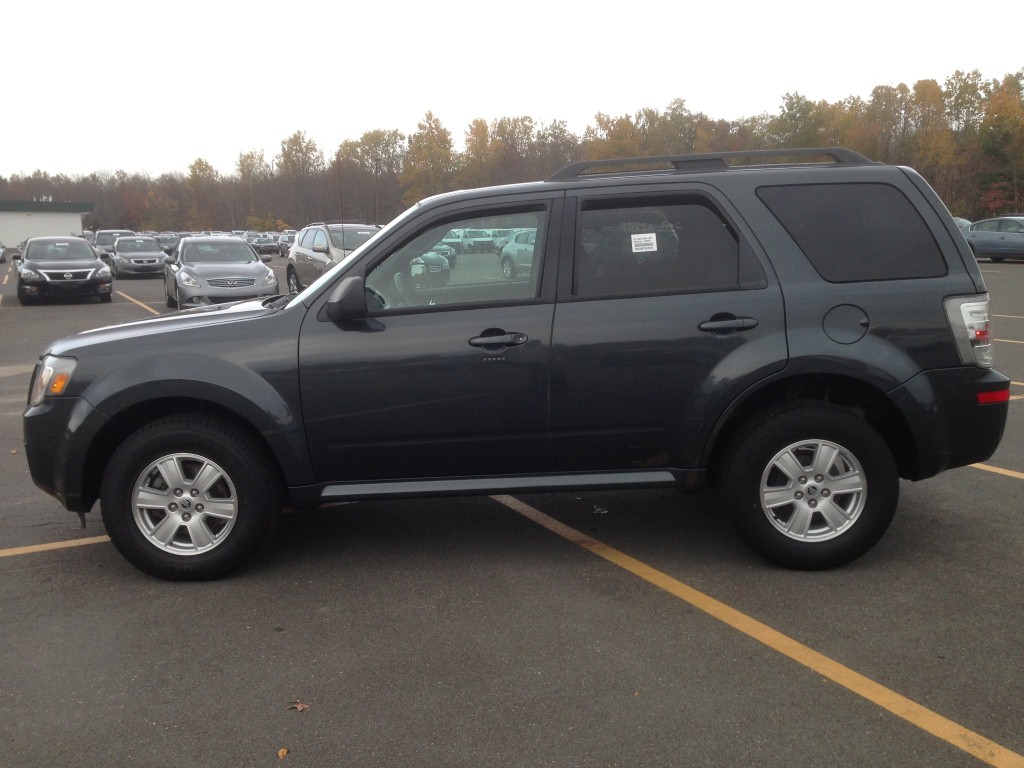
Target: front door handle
{"x":493,"y":339}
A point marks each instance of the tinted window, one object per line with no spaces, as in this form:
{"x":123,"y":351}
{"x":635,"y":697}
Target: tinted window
{"x":856,"y":232}
{"x":350,"y":238}
{"x":989,"y":225}
{"x":675,"y":244}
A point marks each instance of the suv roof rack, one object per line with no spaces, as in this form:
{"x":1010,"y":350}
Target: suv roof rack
{"x":703,"y":163}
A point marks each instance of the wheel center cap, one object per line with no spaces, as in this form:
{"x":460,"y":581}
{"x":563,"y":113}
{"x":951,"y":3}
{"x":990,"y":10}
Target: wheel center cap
{"x":812,"y":490}
{"x":186,"y":503}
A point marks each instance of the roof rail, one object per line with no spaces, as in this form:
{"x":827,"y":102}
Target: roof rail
{"x":712,"y":161}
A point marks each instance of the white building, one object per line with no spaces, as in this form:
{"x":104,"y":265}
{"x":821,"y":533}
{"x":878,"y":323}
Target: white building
{"x":21,"y":219}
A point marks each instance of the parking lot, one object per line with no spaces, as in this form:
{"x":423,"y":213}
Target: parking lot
{"x":598,"y":629}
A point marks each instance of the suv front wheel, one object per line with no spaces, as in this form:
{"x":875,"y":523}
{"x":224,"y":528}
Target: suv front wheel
{"x":810,"y":486}
{"x":293,"y":282}
{"x":189,"y":497}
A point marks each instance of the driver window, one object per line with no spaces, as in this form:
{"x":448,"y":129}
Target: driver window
{"x":480,"y":260}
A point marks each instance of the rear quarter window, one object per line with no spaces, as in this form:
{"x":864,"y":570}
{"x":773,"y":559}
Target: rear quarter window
{"x":856,"y":232}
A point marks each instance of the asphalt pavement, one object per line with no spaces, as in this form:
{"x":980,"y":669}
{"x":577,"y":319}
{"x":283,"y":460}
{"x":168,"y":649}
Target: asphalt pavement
{"x":599,"y":629}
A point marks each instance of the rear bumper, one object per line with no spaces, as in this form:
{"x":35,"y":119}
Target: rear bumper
{"x":949,"y":423}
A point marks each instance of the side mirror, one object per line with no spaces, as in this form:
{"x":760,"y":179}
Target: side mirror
{"x":348,"y":300}
{"x":169,"y":260}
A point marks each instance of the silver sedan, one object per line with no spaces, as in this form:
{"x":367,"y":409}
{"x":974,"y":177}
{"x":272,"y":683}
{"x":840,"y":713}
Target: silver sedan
{"x":216,"y":270}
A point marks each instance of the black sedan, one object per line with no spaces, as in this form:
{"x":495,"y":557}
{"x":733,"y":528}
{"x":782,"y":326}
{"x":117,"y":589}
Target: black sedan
{"x":61,"y":266}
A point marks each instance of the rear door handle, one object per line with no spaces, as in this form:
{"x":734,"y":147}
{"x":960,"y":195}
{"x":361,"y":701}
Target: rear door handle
{"x":723,"y":324}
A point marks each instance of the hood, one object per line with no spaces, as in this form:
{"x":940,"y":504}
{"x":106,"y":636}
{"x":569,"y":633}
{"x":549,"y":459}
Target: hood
{"x":66,"y":264}
{"x":199,"y":317}
{"x":206,"y":269}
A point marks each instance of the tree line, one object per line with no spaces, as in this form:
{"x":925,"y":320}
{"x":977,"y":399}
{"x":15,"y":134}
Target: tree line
{"x":965,"y":136}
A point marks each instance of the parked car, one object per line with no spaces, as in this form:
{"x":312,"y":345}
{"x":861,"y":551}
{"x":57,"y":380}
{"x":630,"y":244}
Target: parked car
{"x":284,"y":243}
{"x":962,"y":223}
{"x":517,"y":255}
{"x":61,"y":267}
{"x":321,"y":246}
{"x":501,"y":238}
{"x":429,"y":270}
{"x":997,"y":239}
{"x":266,"y":245}
{"x":137,"y":256}
{"x":799,"y":335}
{"x":168,"y":240}
{"x":477,"y":241}
{"x":453,"y":239}
{"x":105,"y":241}
{"x":216,"y":270}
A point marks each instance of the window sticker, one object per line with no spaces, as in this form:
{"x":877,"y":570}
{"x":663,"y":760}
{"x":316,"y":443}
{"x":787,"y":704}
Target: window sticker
{"x":645,"y":243}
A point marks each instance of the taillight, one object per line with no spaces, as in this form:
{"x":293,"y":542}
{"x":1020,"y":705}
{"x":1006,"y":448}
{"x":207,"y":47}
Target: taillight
{"x":970,"y":322}
{"x":997,"y":396}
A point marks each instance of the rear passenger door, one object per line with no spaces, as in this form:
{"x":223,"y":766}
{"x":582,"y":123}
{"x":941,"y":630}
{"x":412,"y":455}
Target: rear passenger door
{"x":666,"y":317}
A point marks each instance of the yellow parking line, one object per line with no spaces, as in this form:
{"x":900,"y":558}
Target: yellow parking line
{"x":999,"y":471}
{"x":135,"y":301}
{"x":1010,"y":341}
{"x":970,"y":742}
{"x":53,"y":545}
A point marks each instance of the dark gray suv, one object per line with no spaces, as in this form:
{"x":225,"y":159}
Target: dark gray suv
{"x":800,"y":335}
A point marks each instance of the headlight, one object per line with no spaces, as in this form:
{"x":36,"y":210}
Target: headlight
{"x":29,"y":274}
{"x":52,"y":378}
{"x":270,"y":278}
{"x":103,"y":271}
{"x":186,"y":279}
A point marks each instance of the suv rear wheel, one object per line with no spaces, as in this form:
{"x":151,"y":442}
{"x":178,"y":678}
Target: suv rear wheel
{"x":189,"y":498}
{"x":810,"y":486}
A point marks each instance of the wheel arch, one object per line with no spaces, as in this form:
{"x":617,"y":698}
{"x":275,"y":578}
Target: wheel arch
{"x":135,"y":416}
{"x":854,"y":395}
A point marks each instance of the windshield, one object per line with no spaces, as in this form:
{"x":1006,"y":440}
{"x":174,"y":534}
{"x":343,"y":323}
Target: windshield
{"x":52,"y":250}
{"x":141,"y":245}
{"x":195,"y":253}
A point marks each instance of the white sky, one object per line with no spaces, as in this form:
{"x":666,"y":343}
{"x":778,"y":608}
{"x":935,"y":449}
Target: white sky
{"x":106,"y":86}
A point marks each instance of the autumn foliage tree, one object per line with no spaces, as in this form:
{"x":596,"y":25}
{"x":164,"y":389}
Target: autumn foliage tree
{"x":965,"y":135}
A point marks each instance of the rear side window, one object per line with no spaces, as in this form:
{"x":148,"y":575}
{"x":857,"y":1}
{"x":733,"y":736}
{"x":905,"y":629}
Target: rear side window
{"x":856,"y":232}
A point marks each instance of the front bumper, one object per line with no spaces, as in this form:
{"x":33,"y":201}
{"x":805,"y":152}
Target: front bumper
{"x":31,"y":289}
{"x":57,"y":436}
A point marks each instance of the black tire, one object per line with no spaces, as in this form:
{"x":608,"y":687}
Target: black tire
{"x":294,"y":286}
{"x":106,"y":298}
{"x":840,"y":501}
{"x":996,"y":259}
{"x":212,"y":492}
{"x":508,"y":268}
